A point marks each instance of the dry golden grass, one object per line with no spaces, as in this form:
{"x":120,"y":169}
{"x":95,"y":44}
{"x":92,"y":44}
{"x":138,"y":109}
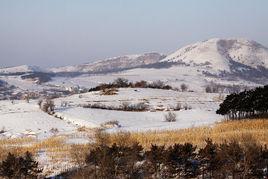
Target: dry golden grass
{"x":57,"y":149}
{"x":78,"y":153}
{"x":220,"y":132}
{"x":53,"y":145}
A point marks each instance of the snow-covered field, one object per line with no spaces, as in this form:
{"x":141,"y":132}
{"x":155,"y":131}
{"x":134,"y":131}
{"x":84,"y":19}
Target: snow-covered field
{"x":203,"y":109}
{"x":138,"y":121}
{"x":26,"y":119}
{"x":23,"y":119}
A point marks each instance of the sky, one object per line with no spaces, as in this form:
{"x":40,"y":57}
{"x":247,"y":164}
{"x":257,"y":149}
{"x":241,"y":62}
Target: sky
{"x":65,"y":32}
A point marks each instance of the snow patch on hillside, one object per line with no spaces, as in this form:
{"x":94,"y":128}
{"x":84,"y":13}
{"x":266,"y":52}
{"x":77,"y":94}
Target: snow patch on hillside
{"x":21,"y":69}
{"x":216,"y":54}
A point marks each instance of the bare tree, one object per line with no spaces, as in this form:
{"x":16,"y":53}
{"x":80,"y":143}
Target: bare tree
{"x":184,"y":87}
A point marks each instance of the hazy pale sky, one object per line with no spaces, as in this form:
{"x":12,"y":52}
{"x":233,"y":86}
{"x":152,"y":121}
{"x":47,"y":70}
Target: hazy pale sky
{"x":64,"y":32}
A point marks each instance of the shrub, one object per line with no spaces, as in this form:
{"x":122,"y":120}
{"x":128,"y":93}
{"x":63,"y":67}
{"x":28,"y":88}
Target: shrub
{"x":134,"y":107}
{"x":208,"y":89}
{"x":102,"y":138}
{"x":170,"y":117}
{"x":125,"y":106}
{"x":124,"y":83}
{"x":187,"y":107}
{"x":124,"y":160}
{"x":99,"y":106}
{"x":111,"y":124}
{"x":141,"y":84}
{"x":3,"y":130}
{"x":54,"y":131}
{"x":184,"y":87}
{"x":78,"y":153}
{"x":178,"y":107}
{"x":47,"y":105}
{"x":109,"y":91}
{"x":19,"y":167}
{"x":121,"y":83}
{"x":213,"y":88}
{"x":158,"y":84}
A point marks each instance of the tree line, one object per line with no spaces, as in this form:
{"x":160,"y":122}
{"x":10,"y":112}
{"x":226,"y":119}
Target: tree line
{"x":226,"y":160}
{"x":246,"y":104}
{"x":124,"y":83}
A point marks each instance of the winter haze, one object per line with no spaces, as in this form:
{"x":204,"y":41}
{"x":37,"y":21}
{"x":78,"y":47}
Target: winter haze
{"x":65,"y":32}
{"x":133,"y":89}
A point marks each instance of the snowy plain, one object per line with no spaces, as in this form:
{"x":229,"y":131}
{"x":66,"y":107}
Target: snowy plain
{"x":20,"y":118}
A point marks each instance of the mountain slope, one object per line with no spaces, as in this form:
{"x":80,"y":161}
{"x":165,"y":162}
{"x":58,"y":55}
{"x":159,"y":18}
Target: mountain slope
{"x":20,"y":69}
{"x":217,"y":55}
{"x":113,"y":64}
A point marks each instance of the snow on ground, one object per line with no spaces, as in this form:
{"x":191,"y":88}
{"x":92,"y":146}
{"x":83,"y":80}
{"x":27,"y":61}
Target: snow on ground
{"x":202,"y":113}
{"x":139,"y":121}
{"x":175,"y":76}
{"x":22,"y":84}
{"x":20,"y":69}
{"x":26,"y":119}
{"x":155,"y":98}
{"x":23,"y":119}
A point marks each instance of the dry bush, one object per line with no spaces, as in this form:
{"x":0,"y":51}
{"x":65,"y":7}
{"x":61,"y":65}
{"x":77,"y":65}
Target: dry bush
{"x":111,"y":124}
{"x":17,"y":146}
{"x":109,"y":91}
{"x":78,"y":153}
{"x":184,"y":87}
{"x":220,"y":132}
{"x":82,"y":129}
{"x":125,"y":106}
{"x":170,"y":117}
{"x":122,"y":139}
{"x":47,"y":105}
{"x":141,"y":84}
{"x":3,"y":130}
{"x":102,"y":138}
{"x":187,"y":107}
{"x":134,"y":107}
{"x":3,"y":153}
{"x":178,"y":107}
{"x":54,"y":131}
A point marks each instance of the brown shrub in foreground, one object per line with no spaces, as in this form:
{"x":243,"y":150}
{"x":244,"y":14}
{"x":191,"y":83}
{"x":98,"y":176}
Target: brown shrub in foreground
{"x":226,"y":160}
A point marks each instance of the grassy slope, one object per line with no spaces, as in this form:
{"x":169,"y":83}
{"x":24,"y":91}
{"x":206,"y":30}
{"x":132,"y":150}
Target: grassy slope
{"x":241,"y":130}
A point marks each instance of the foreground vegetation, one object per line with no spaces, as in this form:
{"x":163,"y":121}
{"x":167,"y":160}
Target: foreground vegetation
{"x":235,"y":149}
{"x":240,"y":133}
{"x":256,"y":129}
{"x":128,"y":159}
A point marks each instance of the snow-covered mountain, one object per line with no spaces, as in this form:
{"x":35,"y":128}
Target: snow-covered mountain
{"x":222,"y":61}
{"x":219,"y":55}
{"x":113,"y":64}
{"x":20,"y":69}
